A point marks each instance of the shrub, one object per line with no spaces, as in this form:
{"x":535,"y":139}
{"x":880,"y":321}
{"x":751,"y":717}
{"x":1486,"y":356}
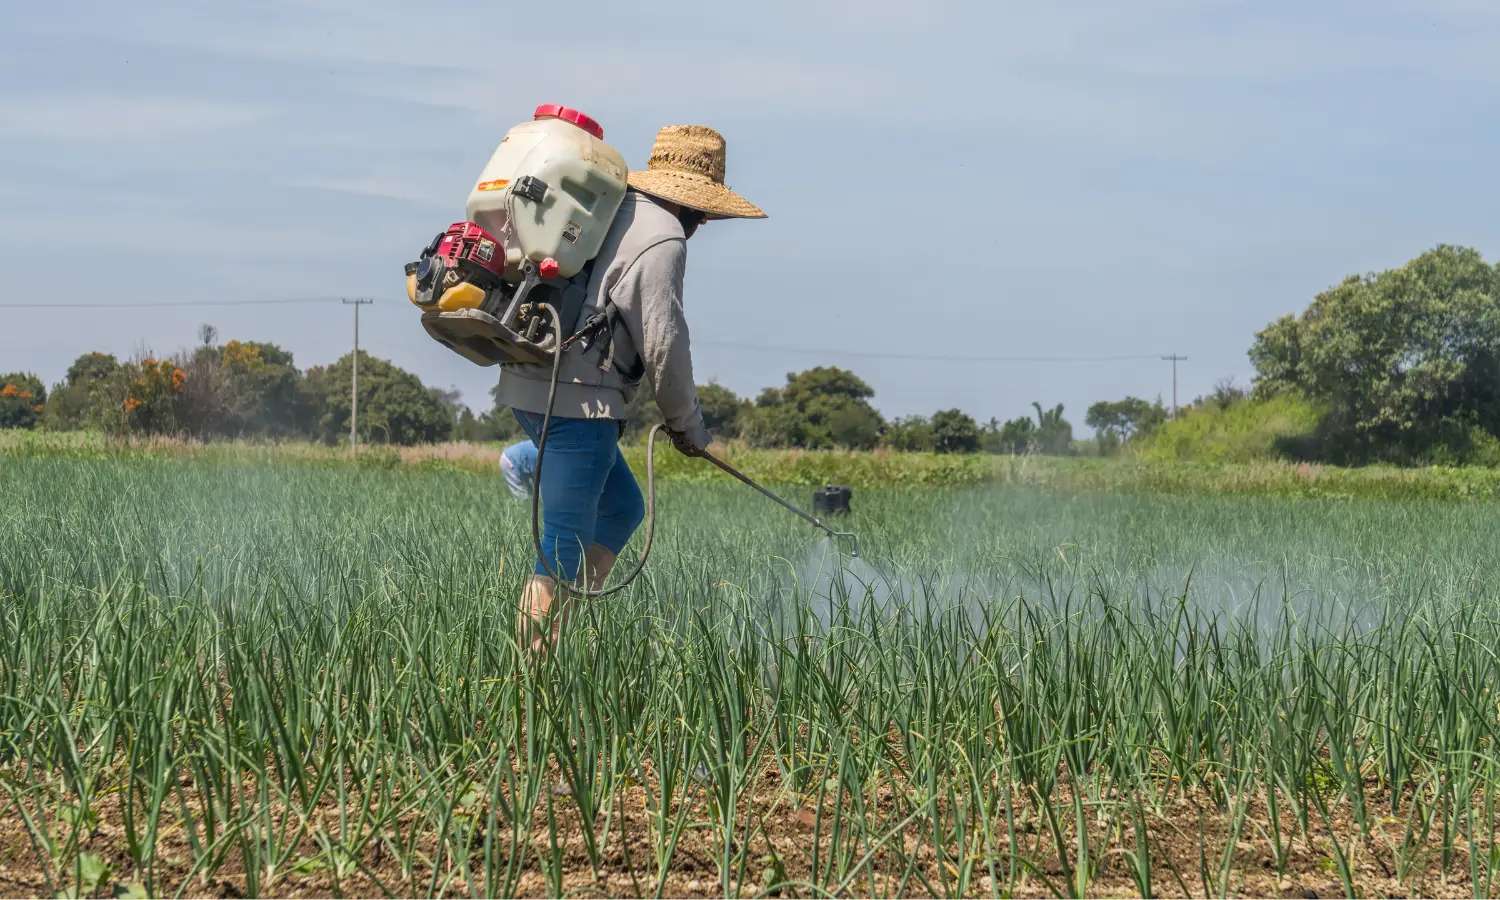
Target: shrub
{"x":23,"y":397}
{"x":1281,"y":426}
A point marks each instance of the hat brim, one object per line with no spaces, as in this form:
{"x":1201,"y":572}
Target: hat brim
{"x":711,"y":198}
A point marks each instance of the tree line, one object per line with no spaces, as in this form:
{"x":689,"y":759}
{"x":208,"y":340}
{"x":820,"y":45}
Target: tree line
{"x":1398,"y":366}
{"x":827,"y":407}
{"x":254,"y":390}
{"x":237,"y":389}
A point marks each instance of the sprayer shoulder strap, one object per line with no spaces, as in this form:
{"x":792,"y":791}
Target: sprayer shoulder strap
{"x":612,"y":314}
{"x":605,"y":323}
{"x":580,"y":281}
{"x":600,"y":329}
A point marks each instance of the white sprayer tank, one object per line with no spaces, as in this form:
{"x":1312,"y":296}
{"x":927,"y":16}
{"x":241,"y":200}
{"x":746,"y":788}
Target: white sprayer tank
{"x":584,"y":181}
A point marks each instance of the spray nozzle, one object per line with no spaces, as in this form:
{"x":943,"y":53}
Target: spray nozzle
{"x":853,"y":541}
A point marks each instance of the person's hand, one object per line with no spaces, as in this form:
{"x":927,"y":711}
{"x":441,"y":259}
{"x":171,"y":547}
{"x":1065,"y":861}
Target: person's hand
{"x":683,"y":445}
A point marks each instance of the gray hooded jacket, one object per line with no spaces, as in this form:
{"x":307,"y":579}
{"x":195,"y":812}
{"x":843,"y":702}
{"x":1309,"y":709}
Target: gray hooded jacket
{"x":640,"y":267}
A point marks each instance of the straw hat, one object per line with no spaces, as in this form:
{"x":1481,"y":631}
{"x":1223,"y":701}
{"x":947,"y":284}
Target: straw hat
{"x":687,"y":168}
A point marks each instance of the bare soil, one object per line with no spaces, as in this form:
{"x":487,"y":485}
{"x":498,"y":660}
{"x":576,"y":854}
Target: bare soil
{"x":1187,"y":840}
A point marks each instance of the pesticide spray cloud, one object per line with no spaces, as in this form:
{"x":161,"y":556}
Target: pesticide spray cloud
{"x":828,"y":589}
{"x":833,"y":588}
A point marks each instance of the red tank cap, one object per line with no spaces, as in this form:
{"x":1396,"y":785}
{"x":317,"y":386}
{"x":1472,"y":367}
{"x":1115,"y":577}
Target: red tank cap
{"x":548,"y":268}
{"x":571,"y":116}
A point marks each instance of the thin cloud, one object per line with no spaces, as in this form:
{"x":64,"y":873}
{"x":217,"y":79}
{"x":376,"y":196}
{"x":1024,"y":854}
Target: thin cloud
{"x":180,"y":236}
{"x":415,"y":186}
{"x":75,"y":117}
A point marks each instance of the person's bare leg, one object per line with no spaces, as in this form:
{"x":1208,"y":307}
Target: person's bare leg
{"x":544,"y":606}
{"x":541,"y":610}
{"x":600,"y":561}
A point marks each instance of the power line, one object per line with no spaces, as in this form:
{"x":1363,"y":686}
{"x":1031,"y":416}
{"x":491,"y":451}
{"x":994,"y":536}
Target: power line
{"x":925,"y":357}
{"x":162,"y":303}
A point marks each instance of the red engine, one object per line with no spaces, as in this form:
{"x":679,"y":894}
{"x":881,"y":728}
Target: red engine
{"x":466,"y":244}
{"x":463,"y":253}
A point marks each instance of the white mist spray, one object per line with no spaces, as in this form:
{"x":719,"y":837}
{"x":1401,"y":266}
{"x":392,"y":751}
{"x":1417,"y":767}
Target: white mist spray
{"x":837,"y":588}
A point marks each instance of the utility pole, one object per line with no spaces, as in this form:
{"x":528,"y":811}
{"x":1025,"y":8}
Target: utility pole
{"x":1175,"y":359}
{"x":354,"y":386}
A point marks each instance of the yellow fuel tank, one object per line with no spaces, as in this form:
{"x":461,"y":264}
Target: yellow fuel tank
{"x":461,"y":296}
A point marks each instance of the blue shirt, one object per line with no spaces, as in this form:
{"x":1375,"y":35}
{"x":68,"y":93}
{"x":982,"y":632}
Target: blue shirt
{"x":518,"y":462}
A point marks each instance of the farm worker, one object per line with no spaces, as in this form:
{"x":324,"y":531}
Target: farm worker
{"x":518,"y":465}
{"x":591,"y":501}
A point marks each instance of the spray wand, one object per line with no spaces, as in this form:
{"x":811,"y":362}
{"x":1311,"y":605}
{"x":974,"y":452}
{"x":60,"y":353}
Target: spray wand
{"x":835,"y":535}
{"x":536,"y":493}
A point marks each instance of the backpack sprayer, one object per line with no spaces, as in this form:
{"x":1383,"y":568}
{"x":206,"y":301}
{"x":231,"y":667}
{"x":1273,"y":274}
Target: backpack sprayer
{"x":509,"y":285}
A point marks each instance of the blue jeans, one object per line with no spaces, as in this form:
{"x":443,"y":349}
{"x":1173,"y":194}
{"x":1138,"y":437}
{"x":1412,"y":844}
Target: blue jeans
{"x":518,"y":464}
{"x":589,"y":495}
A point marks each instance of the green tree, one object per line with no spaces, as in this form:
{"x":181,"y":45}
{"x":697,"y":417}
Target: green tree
{"x":1116,"y":423}
{"x":312,"y":400}
{"x":262,"y":386}
{"x":1016,"y":436}
{"x":91,"y":396}
{"x":912,"y":434}
{"x":23,"y":397}
{"x":853,"y":425}
{"x":470,"y":427}
{"x":641,"y":413}
{"x":955,"y":431}
{"x":1405,"y":362}
{"x":152,"y":401}
{"x":989,"y":437}
{"x":395,"y":407}
{"x":1054,"y":434}
{"x":92,"y":368}
{"x":242,"y":389}
{"x":822,"y":407}
{"x":500,"y":423}
{"x":771,"y":421}
{"x":721,"y":410}
{"x":1225,"y":394}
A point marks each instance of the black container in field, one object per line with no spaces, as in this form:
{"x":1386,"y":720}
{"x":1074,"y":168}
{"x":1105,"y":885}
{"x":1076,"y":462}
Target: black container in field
{"x":832,"y":500}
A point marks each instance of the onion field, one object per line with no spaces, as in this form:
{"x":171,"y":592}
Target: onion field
{"x":234,"y":680}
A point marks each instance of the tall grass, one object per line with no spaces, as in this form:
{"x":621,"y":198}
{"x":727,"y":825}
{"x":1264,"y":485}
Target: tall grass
{"x":1247,"y":431}
{"x":802,"y":467}
{"x":273,"y":680}
{"x":807,"y":468}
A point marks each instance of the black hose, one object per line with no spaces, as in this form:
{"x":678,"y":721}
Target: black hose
{"x":536,"y":492}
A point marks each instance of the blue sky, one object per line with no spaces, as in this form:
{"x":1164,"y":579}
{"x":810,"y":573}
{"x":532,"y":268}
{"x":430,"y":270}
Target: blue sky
{"x":953,"y":179}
